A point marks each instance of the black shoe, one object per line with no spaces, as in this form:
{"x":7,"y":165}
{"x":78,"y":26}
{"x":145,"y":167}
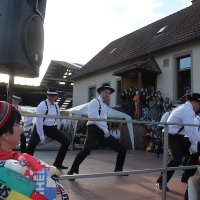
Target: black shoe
{"x":60,"y":167}
{"x":159,"y":187}
{"x":184,"y":179}
{"x":121,"y":171}
{"x":70,"y":173}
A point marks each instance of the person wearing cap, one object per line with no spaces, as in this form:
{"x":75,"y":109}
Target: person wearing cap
{"x":16,"y":99}
{"x":49,"y":127}
{"x":179,"y":144}
{"x":98,"y":131}
{"x":25,"y":168}
{"x":10,"y":131}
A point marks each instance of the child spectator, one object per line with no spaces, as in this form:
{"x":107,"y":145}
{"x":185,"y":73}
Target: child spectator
{"x":24,"y":170}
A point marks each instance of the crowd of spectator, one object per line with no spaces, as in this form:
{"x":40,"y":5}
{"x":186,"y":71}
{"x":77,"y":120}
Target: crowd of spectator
{"x":150,"y":105}
{"x":185,"y":92}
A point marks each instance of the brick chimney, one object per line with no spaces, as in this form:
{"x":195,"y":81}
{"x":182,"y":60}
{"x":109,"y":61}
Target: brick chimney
{"x":195,"y":1}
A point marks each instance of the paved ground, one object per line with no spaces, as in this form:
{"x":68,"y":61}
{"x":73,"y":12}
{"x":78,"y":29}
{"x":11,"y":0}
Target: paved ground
{"x":133,"y":187}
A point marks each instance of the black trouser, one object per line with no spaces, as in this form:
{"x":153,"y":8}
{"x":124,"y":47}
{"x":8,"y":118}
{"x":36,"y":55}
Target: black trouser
{"x":190,"y":160}
{"x":54,"y":133}
{"x":23,"y":143}
{"x":178,"y":147}
{"x":94,"y":135}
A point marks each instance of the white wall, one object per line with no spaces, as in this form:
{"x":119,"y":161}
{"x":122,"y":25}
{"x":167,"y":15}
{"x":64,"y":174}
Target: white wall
{"x":81,"y":87}
{"x":196,"y":69}
{"x":167,"y":81}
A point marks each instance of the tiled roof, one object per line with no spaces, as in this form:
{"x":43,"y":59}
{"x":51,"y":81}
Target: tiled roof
{"x":180,"y":27}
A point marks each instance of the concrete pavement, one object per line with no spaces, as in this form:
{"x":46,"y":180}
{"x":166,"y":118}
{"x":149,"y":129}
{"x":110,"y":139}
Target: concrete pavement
{"x":133,"y":187}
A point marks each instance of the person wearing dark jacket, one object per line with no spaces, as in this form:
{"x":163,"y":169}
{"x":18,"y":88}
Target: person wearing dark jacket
{"x":16,"y":99}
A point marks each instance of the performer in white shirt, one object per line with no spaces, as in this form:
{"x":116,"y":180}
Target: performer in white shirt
{"x":49,"y":127}
{"x":179,"y":145}
{"x":192,"y":159}
{"x":16,"y":99}
{"x":98,"y":131}
{"x":166,"y":115}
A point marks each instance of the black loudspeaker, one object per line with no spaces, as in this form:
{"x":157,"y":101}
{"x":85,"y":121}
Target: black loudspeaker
{"x":21,"y":36}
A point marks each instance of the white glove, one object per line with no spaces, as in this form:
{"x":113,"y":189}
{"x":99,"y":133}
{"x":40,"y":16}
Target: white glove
{"x":106,"y":134}
{"x":193,"y":148}
{"x":42,"y":141}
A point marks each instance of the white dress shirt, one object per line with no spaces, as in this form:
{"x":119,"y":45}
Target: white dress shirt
{"x":17,"y":107}
{"x":165,"y":117}
{"x":41,"y":110}
{"x":197,"y":122}
{"x":93,"y":112}
{"x":184,"y":114}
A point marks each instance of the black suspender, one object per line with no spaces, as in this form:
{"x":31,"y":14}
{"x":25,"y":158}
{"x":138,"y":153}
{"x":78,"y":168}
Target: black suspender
{"x":199,"y":123}
{"x":99,"y":107}
{"x":47,"y":110}
{"x":180,"y":129}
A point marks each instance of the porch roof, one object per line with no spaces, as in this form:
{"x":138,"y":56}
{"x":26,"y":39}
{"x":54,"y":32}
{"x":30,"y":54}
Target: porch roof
{"x":145,"y":65}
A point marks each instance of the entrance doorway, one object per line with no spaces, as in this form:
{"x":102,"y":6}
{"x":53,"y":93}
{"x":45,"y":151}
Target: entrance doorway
{"x":149,"y":79}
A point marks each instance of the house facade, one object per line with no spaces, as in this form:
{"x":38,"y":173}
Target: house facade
{"x":164,"y":54}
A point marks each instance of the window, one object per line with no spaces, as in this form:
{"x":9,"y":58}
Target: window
{"x":184,"y":62}
{"x":92,"y":93}
{"x":161,"y":30}
{"x":113,"y":50}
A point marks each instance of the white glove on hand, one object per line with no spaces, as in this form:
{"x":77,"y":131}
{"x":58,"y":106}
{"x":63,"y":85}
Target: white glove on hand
{"x":106,"y":134}
{"x":193,"y":148}
{"x":42,"y":141}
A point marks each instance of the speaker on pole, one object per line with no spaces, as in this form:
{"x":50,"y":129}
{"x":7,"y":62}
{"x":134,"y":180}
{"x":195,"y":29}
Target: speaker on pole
{"x":21,"y":36}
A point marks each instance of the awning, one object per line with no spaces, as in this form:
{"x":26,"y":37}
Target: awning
{"x":145,"y":65}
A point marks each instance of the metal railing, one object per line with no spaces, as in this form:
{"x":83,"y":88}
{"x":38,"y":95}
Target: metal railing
{"x":164,"y":169}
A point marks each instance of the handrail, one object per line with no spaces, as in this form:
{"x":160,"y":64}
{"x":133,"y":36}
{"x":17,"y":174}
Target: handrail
{"x":165,"y":169}
{"x":107,"y":120}
{"x":130,"y":172}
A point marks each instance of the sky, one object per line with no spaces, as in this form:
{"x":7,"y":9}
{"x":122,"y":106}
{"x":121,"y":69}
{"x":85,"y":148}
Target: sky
{"x":76,"y":30}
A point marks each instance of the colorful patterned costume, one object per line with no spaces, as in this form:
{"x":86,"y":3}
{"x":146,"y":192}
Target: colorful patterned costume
{"x":23,"y":177}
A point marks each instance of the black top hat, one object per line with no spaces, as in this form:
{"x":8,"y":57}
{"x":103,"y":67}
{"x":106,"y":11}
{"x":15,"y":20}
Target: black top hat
{"x":105,"y":86}
{"x":194,"y":97}
{"x":16,"y":96}
{"x":52,"y":91}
